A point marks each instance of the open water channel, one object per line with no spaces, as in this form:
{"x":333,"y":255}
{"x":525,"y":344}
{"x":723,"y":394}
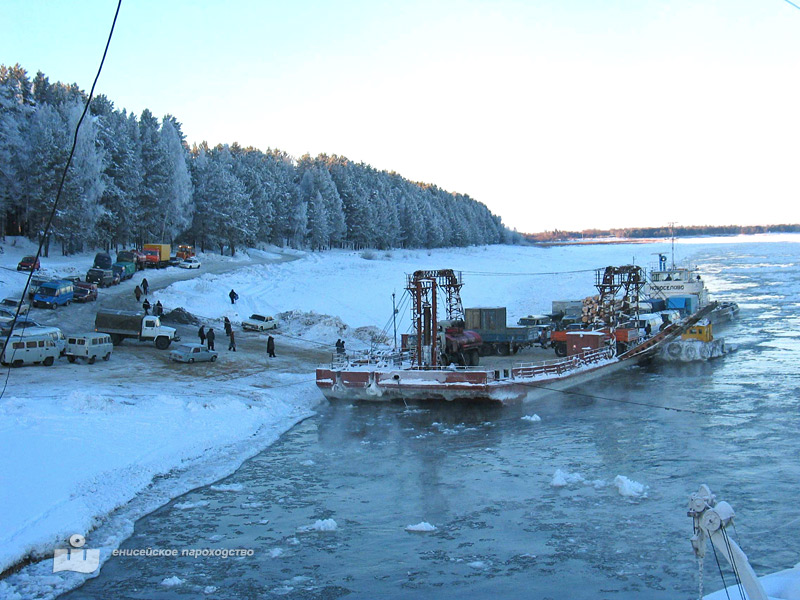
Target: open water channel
{"x":523,"y":506}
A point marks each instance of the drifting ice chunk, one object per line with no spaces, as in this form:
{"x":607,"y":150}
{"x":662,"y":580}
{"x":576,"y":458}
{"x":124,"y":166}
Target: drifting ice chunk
{"x":630,"y":488}
{"x":421,"y":527}
{"x":563,"y":478}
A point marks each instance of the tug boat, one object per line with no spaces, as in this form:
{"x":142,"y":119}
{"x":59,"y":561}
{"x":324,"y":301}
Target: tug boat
{"x":684,"y":289}
{"x":421,"y":374}
{"x":696,"y":343}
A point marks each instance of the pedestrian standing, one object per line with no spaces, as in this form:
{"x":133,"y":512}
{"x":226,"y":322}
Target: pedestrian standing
{"x":146,"y":306}
{"x":210,"y":338}
{"x":202,"y":334}
{"x":271,"y":347}
{"x":233,"y":296}
{"x":137,"y":291}
{"x":228,"y":328}
{"x":158,"y":310}
{"x":232,"y":343}
{"x":145,"y":286}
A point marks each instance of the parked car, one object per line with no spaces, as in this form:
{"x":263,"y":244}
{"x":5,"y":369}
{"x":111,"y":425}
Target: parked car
{"x":11,"y":304}
{"x":72,"y":278}
{"x":22,"y":323}
{"x":29,"y":263}
{"x":259,"y":323}
{"x":88,"y":346}
{"x":36,"y":349}
{"x":190,"y":353}
{"x":175,"y":261}
{"x":102,"y":277}
{"x":6,"y":314}
{"x":33,"y":287}
{"x":190,"y":263}
{"x":84,"y":292}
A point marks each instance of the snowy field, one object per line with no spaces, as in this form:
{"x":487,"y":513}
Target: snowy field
{"x":90,"y":449}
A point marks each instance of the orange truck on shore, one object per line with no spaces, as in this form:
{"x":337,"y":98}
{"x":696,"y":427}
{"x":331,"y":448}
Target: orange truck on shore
{"x":156,"y":255}
{"x":185,"y":251}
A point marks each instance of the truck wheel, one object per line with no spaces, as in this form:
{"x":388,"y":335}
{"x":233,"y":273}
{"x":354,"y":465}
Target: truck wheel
{"x":48,"y":362}
{"x":162,"y":342}
{"x":214,"y":358}
{"x":17,"y":363}
{"x":71,"y":358}
{"x":91,"y":360}
{"x":561,"y":349}
{"x":107,"y":356}
{"x":190,"y":361}
{"x":503,"y":349}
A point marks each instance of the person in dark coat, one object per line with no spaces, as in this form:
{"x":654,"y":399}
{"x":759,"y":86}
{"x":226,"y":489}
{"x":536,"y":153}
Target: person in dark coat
{"x":158,"y":310}
{"x":145,"y":286}
{"x":202,"y":334}
{"x":271,"y":346}
{"x":146,"y":306}
{"x":210,"y":338}
{"x":228,"y":328}
{"x":233,"y":296}
{"x":232,"y":343}
{"x":137,"y":291}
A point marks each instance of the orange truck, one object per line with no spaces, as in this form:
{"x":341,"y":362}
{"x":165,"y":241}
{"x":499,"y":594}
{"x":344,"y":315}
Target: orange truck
{"x":156,"y":255}
{"x":185,"y":251}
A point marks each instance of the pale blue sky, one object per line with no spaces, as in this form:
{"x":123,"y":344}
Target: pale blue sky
{"x":556,"y":114}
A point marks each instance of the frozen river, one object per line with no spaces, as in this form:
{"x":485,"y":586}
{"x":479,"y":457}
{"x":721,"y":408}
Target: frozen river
{"x":522,"y":505}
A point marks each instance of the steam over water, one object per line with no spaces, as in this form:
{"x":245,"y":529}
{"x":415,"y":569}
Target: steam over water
{"x":573,"y":496}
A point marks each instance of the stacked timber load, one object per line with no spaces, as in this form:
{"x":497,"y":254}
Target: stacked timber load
{"x":597,"y":310}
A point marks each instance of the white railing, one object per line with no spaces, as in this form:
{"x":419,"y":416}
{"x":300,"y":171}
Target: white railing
{"x":564,"y":365}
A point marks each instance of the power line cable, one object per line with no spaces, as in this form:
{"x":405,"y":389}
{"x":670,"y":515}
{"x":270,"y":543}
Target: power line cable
{"x":47,"y":227}
{"x":498,"y":274}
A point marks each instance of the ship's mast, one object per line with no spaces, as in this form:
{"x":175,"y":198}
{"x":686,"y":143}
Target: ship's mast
{"x":422,"y":286}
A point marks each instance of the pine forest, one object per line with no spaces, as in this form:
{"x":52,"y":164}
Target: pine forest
{"x":135,"y":180}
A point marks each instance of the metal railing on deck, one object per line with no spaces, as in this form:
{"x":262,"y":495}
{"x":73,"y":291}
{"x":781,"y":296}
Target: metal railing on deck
{"x":564,"y":365}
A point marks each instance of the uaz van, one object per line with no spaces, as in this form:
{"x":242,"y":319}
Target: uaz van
{"x":30,"y":350}
{"x":54,"y":333}
{"x":89,"y":346}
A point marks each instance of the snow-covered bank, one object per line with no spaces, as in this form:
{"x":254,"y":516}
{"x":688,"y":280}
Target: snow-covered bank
{"x":72,"y":460}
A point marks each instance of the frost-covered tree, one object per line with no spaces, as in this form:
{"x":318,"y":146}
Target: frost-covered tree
{"x":79,"y":205}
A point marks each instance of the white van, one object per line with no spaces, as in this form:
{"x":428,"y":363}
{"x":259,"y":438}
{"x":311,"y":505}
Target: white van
{"x":54,"y":332}
{"x":89,"y":346}
{"x":30,"y":350}
{"x":649,"y":324}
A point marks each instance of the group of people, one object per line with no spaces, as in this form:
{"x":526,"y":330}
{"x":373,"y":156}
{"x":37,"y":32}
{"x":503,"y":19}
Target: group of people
{"x":158,"y":309}
{"x":339,"y":346}
{"x":208,"y":337}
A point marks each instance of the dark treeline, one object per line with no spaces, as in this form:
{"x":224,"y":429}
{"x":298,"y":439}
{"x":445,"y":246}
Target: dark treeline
{"x":134,"y":180}
{"x":659,"y":232}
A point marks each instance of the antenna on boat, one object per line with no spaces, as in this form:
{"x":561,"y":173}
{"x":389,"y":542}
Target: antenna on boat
{"x":672,"y":240}
{"x":394,"y":321}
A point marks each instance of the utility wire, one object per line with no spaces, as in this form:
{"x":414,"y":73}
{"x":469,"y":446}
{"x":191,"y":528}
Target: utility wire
{"x":46,"y":231}
{"x":792,"y":3}
{"x":497,"y":274}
